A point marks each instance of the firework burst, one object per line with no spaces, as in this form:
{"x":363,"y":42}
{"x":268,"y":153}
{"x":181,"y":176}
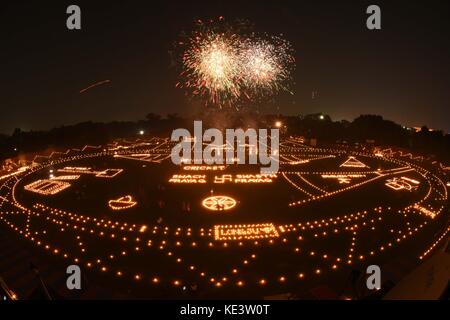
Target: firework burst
{"x":225,"y":65}
{"x":212,"y":67}
{"x":267,"y":65}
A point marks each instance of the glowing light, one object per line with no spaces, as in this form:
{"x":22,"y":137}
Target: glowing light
{"x":399,"y":184}
{"x":425,"y":211}
{"x":246,"y":232}
{"x":413,"y":181}
{"x":65,"y":177}
{"x":352,"y":162}
{"x":122,"y":203}
{"x":108,"y":173}
{"x":18,"y":171}
{"x":223,"y":178}
{"x":342,"y":178}
{"x":245,"y":178}
{"x":204,"y":168}
{"x":188,"y":178}
{"x":219,"y":203}
{"x":47,"y":187}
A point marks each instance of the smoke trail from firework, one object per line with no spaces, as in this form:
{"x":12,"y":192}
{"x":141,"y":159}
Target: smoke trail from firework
{"x":226,"y":66}
{"x":99,"y":83}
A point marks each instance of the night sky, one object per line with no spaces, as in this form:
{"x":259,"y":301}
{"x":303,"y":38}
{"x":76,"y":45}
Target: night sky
{"x":401,"y":72}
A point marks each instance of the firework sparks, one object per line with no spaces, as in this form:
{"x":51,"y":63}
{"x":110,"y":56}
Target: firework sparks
{"x":212,"y":67}
{"x":225,"y":66}
{"x":267,"y":66}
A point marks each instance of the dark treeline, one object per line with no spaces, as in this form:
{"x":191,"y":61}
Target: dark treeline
{"x":375,"y":129}
{"x":365,"y":128}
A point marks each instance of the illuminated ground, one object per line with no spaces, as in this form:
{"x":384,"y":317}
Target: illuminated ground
{"x":143,"y":226}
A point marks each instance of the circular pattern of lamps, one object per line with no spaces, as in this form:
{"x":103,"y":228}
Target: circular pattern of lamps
{"x":38,"y":222}
{"x":219,"y":203}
